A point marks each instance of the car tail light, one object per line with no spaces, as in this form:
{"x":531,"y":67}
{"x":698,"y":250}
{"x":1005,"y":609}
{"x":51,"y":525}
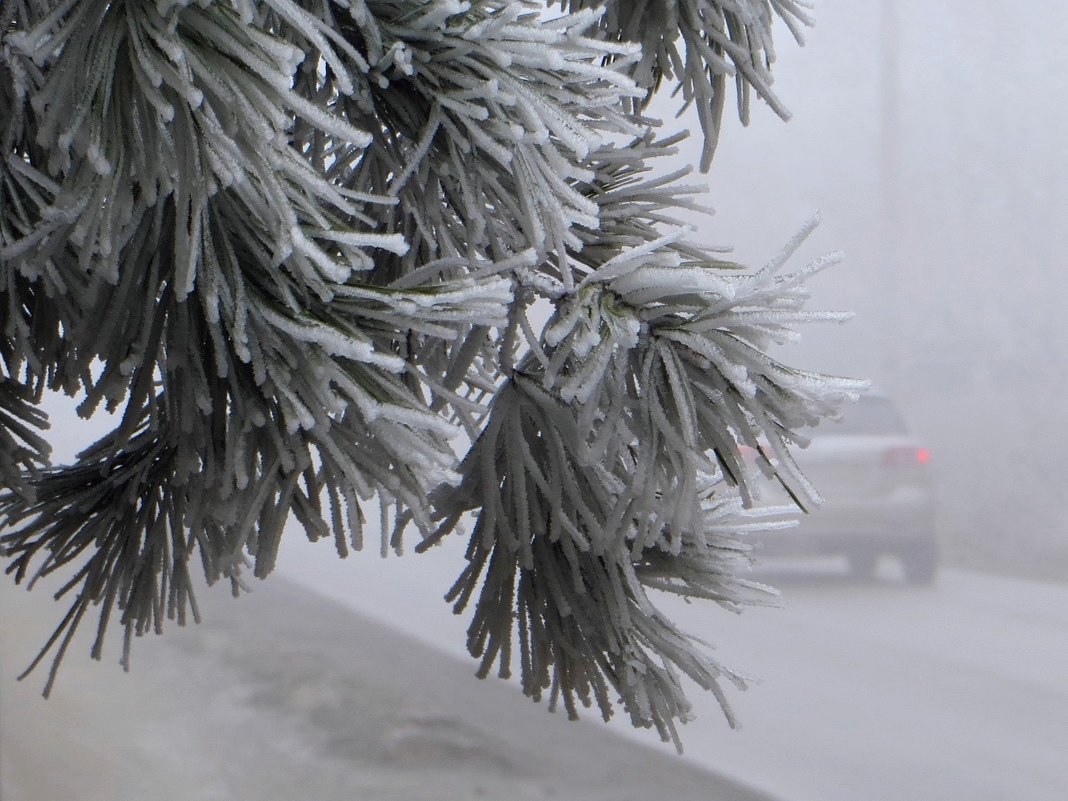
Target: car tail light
{"x":906,"y":457}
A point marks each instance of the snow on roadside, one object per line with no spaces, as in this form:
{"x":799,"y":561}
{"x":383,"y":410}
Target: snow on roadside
{"x":283,"y":696}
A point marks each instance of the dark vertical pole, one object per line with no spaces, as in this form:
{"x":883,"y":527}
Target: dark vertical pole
{"x":891,"y":262}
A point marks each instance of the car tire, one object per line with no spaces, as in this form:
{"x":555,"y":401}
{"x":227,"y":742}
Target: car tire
{"x":920,"y":562}
{"x":862,"y":564}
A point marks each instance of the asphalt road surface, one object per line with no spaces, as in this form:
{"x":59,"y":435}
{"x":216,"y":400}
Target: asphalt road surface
{"x":863,"y":692}
{"x":884,"y":692}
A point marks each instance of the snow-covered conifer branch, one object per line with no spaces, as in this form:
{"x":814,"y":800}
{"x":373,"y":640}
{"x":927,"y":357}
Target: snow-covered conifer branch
{"x":603,"y":456}
{"x":23,"y":449}
{"x":297,"y":246}
{"x":558,"y":565}
{"x":489,"y":83}
{"x":208,"y":251}
{"x":698,"y":45}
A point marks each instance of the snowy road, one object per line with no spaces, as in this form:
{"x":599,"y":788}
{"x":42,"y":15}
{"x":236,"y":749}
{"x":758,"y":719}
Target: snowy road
{"x":877,"y":692}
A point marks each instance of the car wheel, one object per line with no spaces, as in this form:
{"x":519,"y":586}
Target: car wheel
{"x":920,"y":562}
{"x":862,"y":564}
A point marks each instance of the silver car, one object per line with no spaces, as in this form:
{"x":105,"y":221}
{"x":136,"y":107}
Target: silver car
{"x":878,"y":493}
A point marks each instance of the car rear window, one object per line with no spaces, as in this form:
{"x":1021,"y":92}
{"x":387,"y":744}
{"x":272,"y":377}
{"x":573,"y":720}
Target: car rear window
{"x":868,"y":416}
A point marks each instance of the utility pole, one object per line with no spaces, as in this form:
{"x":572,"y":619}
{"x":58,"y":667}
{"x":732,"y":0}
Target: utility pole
{"x":891,"y":262}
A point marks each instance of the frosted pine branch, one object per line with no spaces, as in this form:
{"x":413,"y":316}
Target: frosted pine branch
{"x":612,"y":458}
{"x":299,"y":247}
{"x":698,"y":45}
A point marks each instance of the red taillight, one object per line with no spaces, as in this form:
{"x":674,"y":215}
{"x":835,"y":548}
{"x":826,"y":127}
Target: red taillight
{"x":905,"y":457}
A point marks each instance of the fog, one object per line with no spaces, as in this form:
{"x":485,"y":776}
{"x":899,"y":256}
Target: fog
{"x":932,"y":149}
{"x":929,"y":136}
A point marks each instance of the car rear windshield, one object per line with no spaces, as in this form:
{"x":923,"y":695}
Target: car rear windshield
{"x":868,"y":416}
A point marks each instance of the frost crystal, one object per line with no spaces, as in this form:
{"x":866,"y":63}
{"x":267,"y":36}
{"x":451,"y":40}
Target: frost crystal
{"x":301,"y":245}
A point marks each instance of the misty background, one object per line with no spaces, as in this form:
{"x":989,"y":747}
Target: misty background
{"x":930,"y":136}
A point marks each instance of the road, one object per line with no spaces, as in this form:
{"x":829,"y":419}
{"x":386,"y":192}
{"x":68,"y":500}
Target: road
{"x":888,"y":693}
{"x":865,"y":692}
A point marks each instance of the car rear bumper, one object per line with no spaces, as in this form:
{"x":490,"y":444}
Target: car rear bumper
{"x":891,"y":523}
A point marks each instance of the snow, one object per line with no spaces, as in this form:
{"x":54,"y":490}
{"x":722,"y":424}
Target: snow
{"x":283,"y":696}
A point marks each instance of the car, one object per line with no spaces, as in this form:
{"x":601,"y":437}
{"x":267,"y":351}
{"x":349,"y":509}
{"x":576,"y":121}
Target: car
{"x":878,"y":495}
